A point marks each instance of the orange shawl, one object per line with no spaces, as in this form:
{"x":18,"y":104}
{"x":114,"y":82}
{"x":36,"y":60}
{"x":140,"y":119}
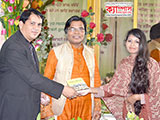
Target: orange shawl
{"x":155,"y":54}
{"x":80,"y":106}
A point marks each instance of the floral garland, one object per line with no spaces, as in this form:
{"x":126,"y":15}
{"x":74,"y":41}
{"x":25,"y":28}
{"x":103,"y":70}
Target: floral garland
{"x":133,"y":116}
{"x":101,"y":38}
{"x":43,"y":44}
{"x":12,"y":10}
{"x":107,"y":37}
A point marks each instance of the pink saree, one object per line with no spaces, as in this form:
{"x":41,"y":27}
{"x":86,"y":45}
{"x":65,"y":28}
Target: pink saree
{"x":118,"y":87}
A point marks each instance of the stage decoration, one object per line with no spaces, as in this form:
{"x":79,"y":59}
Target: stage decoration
{"x":87,"y":15}
{"x":38,"y":116}
{"x":133,"y":116}
{"x":107,"y":37}
{"x":38,"y":4}
{"x":101,"y":38}
{"x":43,"y":44}
{"x":10,"y":19}
{"x":108,"y":77}
{"x":12,"y":10}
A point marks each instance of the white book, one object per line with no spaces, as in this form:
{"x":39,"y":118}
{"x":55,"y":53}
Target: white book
{"x":78,"y":84}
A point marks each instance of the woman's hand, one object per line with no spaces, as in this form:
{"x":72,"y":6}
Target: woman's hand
{"x":84,"y":92}
{"x":94,"y":90}
{"x":98,"y":92}
{"x":133,"y":98}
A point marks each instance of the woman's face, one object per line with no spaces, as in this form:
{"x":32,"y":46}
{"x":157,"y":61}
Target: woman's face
{"x":132,"y":44}
{"x":76,"y":33}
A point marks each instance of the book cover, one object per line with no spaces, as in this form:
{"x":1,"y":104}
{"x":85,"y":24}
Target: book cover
{"x":78,"y":84}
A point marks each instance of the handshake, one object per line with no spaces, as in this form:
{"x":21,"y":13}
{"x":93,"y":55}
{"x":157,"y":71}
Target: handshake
{"x":71,"y":93}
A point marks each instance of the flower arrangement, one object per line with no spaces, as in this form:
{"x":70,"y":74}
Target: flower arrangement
{"x":10,"y":20}
{"x":133,"y":116}
{"x":43,"y":44}
{"x":91,"y":40}
{"x":104,"y":109}
{"x":107,"y":37}
{"x":101,"y":38}
{"x":39,"y":117}
{"x":12,"y":10}
{"x":38,"y":4}
{"x":108,"y":77}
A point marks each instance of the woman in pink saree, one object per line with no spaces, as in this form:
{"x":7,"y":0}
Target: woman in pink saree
{"x":135,"y":85}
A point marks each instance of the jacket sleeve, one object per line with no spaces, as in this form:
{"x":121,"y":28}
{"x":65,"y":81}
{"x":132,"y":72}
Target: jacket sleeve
{"x":154,"y":91}
{"x":17,"y":59}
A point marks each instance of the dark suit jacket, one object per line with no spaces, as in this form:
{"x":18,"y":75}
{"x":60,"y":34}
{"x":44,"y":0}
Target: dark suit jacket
{"x":20,"y":82}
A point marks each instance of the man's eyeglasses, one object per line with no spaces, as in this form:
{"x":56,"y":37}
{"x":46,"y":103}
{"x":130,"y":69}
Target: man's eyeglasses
{"x":72,"y":29}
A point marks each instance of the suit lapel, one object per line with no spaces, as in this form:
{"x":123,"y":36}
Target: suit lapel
{"x":26,"y":45}
{"x":36,"y":59}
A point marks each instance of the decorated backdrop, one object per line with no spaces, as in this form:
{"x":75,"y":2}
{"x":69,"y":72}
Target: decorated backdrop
{"x":2,"y":37}
{"x":115,"y":51}
{"x":148,"y":14}
{"x":58,"y":14}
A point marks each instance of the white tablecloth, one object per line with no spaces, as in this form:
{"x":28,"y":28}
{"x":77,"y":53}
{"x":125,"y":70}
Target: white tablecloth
{"x":107,"y":117}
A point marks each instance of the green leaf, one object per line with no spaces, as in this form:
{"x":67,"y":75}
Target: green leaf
{"x":90,"y":10}
{"x":142,"y":119}
{"x":137,"y":118}
{"x":79,"y":118}
{"x":2,"y":21}
{"x":39,"y":116}
{"x":98,"y":43}
{"x":92,"y":13}
{"x":51,"y":118}
{"x":91,"y":30}
{"x":104,"y":11}
{"x":88,"y":19}
{"x":92,"y":39}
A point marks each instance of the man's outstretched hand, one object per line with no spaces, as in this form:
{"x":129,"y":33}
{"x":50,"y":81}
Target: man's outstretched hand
{"x":45,"y":100}
{"x":69,"y":92}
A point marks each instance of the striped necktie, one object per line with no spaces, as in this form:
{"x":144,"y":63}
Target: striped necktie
{"x":31,"y":48}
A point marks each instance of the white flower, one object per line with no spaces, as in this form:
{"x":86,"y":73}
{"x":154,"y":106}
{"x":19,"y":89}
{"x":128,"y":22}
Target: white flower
{"x":50,"y":35}
{"x":36,"y":47}
{"x":39,"y":41}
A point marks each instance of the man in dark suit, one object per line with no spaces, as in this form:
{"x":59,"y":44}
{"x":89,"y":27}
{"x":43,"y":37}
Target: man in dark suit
{"x":20,"y":80}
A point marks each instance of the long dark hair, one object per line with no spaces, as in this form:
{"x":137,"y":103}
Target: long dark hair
{"x":140,"y":75}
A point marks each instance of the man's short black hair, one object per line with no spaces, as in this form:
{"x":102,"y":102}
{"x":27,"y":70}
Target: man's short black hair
{"x":74,"y":18}
{"x":25,"y":15}
{"x":155,"y":31}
